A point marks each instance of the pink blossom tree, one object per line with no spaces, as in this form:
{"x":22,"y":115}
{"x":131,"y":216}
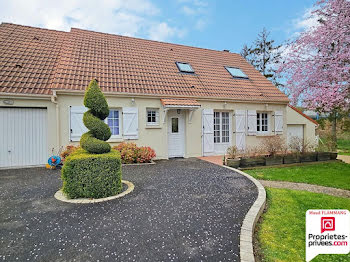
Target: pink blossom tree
{"x":317,"y":64}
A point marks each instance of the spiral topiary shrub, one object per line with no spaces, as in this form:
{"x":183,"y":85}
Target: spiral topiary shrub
{"x":94,"y":141}
{"x":94,"y":171}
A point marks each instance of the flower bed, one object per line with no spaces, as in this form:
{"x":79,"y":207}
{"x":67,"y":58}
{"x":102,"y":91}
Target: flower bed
{"x":131,"y":153}
{"x":273,"y":151}
{"x":254,"y":161}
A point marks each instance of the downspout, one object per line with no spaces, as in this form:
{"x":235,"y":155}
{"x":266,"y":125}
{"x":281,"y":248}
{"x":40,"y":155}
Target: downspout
{"x":54,"y":100}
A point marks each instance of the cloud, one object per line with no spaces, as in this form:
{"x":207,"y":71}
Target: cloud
{"x":162,"y":31}
{"x":197,"y":10}
{"x":200,"y":24}
{"x":307,"y":20}
{"x":132,"y":17}
{"x":188,"y":10}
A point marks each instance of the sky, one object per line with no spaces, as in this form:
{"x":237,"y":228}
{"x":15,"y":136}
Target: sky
{"x":225,"y":24}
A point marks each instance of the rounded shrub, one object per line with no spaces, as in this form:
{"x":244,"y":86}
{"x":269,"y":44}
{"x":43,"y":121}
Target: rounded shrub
{"x":94,"y":141}
{"x":87,"y":175}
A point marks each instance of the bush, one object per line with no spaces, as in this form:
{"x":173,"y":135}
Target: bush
{"x":87,"y":175}
{"x":232,"y":152}
{"x":131,"y":153}
{"x":298,"y":145}
{"x":145,"y":154}
{"x":273,"y":145}
{"x":94,"y":141}
{"x":68,"y":151}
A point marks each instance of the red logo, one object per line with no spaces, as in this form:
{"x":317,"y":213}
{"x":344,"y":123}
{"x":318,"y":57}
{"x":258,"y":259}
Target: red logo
{"x":327,"y":224}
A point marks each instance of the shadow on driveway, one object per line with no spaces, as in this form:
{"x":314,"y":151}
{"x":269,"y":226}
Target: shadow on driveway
{"x":180,"y":210}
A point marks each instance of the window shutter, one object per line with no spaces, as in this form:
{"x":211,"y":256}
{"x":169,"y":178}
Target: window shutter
{"x":278,"y":122}
{"x":208,"y":131}
{"x":130,"y":123}
{"x":240,"y":117}
{"x":77,"y":127}
{"x":251,"y":122}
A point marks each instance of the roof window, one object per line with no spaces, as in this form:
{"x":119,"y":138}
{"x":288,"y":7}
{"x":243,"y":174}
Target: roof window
{"x":184,"y":67}
{"x":236,"y":72}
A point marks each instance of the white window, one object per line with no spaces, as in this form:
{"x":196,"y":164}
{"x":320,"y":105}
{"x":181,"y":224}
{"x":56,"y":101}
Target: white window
{"x":113,"y":121}
{"x":221,"y":127}
{"x":236,"y":72}
{"x":185,"y":67}
{"x":262,"y":124}
{"x":152,"y":117}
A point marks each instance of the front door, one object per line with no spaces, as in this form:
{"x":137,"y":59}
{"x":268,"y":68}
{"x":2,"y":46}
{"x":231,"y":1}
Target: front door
{"x":176,"y":133}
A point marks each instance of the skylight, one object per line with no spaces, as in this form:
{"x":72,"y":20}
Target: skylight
{"x":184,"y":67}
{"x":236,"y":72}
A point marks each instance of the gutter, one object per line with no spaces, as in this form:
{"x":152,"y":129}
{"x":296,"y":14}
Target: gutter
{"x":54,"y":100}
{"x":212,"y":99}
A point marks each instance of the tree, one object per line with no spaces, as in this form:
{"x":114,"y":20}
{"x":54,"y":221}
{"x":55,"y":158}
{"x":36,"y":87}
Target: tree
{"x":317,"y":64}
{"x":93,"y":141}
{"x":264,"y":56}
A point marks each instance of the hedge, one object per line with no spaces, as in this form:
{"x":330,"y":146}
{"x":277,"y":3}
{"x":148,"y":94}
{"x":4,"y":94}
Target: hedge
{"x":87,"y":175}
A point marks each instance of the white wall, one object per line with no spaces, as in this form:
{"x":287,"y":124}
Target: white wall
{"x":155,"y":137}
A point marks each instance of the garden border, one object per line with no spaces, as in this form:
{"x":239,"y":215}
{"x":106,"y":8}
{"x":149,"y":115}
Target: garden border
{"x":250,"y":220}
{"x":60,"y":196}
{"x":140,"y":164}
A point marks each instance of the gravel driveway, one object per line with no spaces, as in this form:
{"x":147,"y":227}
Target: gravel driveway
{"x":180,"y":210}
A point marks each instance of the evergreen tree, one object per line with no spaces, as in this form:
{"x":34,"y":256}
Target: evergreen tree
{"x":264,"y":56}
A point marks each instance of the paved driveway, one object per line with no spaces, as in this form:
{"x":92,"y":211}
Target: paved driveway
{"x":180,"y":210}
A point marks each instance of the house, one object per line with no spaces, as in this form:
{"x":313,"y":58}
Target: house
{"x":182,"y":101}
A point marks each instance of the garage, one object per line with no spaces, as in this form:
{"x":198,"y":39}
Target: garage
{"x":23,"y":137}
{"x":295,"y":131}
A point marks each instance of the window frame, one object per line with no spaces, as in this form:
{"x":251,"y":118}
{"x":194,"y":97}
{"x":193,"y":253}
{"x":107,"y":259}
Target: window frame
{"x":120,"y":122}
{"x":156,"y":123}
{"x":260,"y":125}
{"x":184,"y":71}
{"x":236,"y":77}
{"x":218,"y":122}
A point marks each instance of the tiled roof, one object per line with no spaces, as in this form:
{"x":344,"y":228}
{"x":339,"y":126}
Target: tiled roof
{"x":301,"y":113}
{"x":28,"y":58}
{"x":68,"y":61}
{"x":179,"y":102}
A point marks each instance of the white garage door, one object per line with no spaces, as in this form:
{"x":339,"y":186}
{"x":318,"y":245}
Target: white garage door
{"x":295,"y":131}
{"x":23,"y":137}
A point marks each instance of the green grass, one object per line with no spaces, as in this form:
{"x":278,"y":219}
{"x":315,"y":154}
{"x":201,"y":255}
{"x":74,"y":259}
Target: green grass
{"x":336,"y":174}
{"x":281,"y":234}
{"x":344,"y":153}
{"x":343,"y":146}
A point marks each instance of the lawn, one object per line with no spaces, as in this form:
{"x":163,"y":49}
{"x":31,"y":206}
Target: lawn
{"x":343,"y":146}
{"x":281,"y":234}
{"x":335,"y":174}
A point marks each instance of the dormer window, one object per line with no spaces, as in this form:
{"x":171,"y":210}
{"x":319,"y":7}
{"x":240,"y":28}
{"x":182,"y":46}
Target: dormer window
{"x":236,"y":72}
{"x":184,"y":67}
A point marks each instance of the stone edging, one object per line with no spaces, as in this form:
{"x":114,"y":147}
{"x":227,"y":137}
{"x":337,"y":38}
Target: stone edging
{"x":247,"y":230}
{"x":140,"y":164}
{"x":60,"y":196}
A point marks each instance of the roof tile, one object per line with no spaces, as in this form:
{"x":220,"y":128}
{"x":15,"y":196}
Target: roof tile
{"x":69,"y":60}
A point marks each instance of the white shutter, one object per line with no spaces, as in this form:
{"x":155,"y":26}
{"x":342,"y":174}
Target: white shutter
{"x":278,"y":122}
{"x":130,"y":123}
{"x":251,"y":122}
{"x":77,"y":127}
{"x":240,"y":116}
{"x":208,"y":131}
